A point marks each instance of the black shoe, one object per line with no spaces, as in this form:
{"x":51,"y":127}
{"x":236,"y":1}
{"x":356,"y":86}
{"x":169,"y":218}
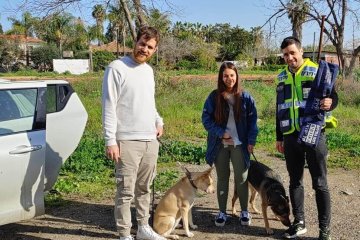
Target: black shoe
{"x":324,"y":234}
{"x":295,"y":230}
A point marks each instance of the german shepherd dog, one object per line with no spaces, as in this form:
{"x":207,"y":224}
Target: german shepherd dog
{"x":267,"y":183}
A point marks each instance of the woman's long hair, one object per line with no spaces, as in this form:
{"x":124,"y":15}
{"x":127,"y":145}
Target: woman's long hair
{"x":221,"y":114}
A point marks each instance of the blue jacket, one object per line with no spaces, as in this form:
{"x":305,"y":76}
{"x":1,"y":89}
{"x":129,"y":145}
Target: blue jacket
{"x":247,"y":126}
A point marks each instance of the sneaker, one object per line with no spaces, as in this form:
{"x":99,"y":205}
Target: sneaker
{"x":145,"y":232}
{"x":324,"y":234}
{"x":295,"y":230}
{"x":245,"y":218}
{"x":221,"y":219}
{"x":127,"y":238}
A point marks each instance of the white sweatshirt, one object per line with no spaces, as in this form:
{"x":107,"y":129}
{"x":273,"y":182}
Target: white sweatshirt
{"x":128,"y":102}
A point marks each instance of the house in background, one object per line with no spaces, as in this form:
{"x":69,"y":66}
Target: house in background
{"x":113,"y":47}
{"x":26,"y":44}
{"x":332,"y":57}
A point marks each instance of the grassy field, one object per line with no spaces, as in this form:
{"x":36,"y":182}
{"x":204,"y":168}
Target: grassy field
{"x":87,"y":174}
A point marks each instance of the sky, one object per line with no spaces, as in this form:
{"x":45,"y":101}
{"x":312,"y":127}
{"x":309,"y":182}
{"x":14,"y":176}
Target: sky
{"x":242,"y":13}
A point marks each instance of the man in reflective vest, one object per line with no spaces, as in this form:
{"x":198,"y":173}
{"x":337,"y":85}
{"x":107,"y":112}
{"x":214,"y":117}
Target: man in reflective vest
{"x":293,"y":87}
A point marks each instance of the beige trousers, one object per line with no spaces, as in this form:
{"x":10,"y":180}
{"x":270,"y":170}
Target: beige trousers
{"x":134,"y":174}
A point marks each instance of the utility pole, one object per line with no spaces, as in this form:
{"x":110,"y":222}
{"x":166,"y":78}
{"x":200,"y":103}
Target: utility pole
{"x":313,"y":53}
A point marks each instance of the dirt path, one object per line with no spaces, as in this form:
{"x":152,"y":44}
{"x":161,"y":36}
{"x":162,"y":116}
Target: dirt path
{"x":79,"y":220}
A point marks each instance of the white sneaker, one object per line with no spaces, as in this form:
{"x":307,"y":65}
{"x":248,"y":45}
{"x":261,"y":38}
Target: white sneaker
{"x":145,"y":232}
{"x":245,"y":218}
{"x":127,"y":238}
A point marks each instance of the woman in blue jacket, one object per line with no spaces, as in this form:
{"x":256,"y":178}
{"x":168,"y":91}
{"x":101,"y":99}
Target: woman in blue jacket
{"x":230,"y":117}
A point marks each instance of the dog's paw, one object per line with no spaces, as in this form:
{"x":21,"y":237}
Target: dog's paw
{"x":193,"y":226}
{"x":173,"y":237}
{"x":269,"y":231}
{"x":189,"y":234}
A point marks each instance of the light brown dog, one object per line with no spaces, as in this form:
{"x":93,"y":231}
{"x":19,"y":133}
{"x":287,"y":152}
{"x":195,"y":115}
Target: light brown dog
{"x":177,"y":202}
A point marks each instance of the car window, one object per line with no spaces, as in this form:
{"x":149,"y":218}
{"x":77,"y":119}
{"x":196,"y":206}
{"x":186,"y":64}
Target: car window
{"x":51,"y":99}
{"x":17,"y":110}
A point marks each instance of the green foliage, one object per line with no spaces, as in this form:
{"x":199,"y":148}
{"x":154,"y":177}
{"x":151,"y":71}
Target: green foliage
{"x":43,"y":57}
{"x":245,"y":60}
{"x":272,"y":68}
{"x":9,"y":55}
{"x":171,"y":151}
{"x":101,"y":59}
{"x":81,"y":54}
{"x":89,"y":156}
{"x":165,"y":179}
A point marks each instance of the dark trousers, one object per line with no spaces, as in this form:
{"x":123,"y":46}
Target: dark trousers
{"x":295,"y":155}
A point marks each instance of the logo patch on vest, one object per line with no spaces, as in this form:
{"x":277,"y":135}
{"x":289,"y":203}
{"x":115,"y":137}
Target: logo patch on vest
{"x":282,"y":76}
{"x":309,"y":71}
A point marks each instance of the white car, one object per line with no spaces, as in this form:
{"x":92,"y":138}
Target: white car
{"x":41,"y":123}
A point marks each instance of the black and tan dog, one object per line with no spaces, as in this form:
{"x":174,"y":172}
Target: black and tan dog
{"x":267,"y":183}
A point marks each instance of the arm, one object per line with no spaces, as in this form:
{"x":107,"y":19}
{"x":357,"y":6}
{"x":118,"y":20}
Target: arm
{"x":110,"y":95}
{"x":251,"y":123}
{"x":159,"y":125}
{"x":331,"y":102}
{"x":208,"y":120}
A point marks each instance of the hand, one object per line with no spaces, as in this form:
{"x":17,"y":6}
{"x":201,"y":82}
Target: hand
{"x":159,"y":131}
{"x":325,"y":104}
{"x":250,"y":148}
{"x":226,"y":139}
{"x":113,"y":152}
{"x":280,"y":146}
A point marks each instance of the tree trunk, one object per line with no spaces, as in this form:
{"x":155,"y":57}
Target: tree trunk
{"x":139,"y":12}
{"x":129,"y":19}
{"x":353,"y":61}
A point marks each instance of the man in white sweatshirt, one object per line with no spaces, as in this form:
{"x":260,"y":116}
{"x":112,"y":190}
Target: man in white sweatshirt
{"x":131,"y":126}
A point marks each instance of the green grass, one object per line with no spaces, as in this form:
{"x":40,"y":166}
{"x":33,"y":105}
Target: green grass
{"x":87,"y":173}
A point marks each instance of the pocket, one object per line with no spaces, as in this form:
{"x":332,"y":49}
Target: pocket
{"x":306,"y":87}
{"x":284,"y":118}
{"x":280,"y":93}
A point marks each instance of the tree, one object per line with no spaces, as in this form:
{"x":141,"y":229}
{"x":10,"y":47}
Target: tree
{"x":57,"y":29}
{"x":297,"y":12}
{"x":25,"y":26}
{"x":1,"y":29}
{"x":99,"y":14}
{"x":336,"y":13}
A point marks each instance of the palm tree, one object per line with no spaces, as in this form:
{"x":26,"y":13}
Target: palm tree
{"x":117,"y":23}
{"x":159,"y":20}
{"x":99,"y":14}
{"x":297,"y":13}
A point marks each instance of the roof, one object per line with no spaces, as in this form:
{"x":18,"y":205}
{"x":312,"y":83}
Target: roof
{"x":111,"y":47}
{"x":21,"y":38}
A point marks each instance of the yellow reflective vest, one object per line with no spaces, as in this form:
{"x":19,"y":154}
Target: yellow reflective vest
{"x":292,"y":90}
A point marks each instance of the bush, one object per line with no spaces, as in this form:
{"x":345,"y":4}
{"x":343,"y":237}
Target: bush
{"x":43,"y":57}
{"x":101,"y":59}
{"x":81,"y":55}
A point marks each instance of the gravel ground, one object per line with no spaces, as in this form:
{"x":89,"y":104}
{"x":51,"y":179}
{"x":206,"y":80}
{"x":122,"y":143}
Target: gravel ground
{"x":80,"y":220}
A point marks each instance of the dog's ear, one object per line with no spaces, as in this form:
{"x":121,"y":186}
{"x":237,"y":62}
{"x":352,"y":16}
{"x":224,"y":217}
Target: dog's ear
{"x":182,"y":167}
{"x":208,"y":171}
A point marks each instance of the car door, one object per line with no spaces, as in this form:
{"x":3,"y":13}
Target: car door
{"x":22,"y":150}
{"x":65,"y":124}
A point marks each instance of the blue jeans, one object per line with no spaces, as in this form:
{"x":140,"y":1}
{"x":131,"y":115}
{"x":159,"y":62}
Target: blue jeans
{"x":295,"y":156}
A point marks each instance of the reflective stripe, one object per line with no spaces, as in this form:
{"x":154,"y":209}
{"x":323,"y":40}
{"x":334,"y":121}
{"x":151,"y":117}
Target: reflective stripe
{"x":285,"y":123}
{"x":285,"y":106}
{"x":300,"y":104}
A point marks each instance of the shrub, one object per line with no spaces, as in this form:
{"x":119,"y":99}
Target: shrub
{"x":43,"y":57}
{"x":101,"y":59}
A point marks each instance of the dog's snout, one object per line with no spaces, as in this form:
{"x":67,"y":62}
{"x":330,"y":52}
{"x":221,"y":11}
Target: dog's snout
{"x":210,"y":189}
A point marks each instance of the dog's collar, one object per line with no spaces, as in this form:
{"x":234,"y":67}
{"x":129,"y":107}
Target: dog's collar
{"x":188,"y":175}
